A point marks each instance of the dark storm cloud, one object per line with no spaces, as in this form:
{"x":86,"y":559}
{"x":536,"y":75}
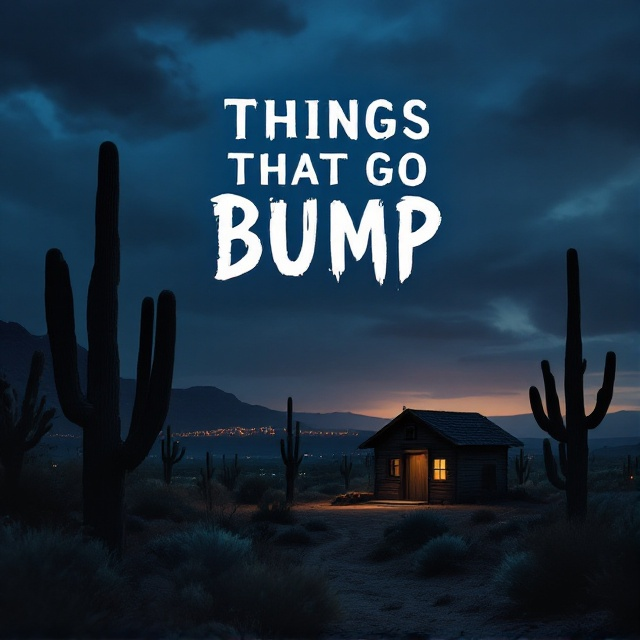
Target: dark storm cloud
{"x":101,"y":66}
{"x":532,"y":149}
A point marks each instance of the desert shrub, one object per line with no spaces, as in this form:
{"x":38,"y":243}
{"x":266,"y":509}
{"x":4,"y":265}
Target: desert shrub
{"x":505,"y":529}
{"x":555,"y":567}
{"x":616,"y":584}
{"x":293,"y":535}
{"x":483,"y":516}
{"x":293,"y":601}
{"x":56,"y":585}
{"x":274,"y":508}
{"x":210,"y":576}
{"x":316,"y":525}
{"x":444,"y":554}
{"x":199,"y":554}
{"x":253,"y":489}
{"x":47,"y":492}
{"x":413,"y":531}
{"x":155,"y":500}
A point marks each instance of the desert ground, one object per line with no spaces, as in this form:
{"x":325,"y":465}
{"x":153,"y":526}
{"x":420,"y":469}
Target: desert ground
{"x":389,"y":599}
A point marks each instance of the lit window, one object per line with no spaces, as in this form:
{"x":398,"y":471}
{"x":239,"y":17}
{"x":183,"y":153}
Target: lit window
{"x":440,"y":469}
{"x":394,"y":467}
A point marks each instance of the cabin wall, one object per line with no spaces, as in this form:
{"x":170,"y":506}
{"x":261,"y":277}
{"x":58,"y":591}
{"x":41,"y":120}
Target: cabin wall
{"x":396,"y":445}
{"x":482,"y":473}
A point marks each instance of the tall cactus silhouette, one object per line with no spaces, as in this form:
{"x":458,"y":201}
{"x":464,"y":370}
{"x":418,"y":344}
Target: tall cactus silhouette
{"x":523,"y":468}
{"x":345,"y":470}
{"x":574,"y":432}
{"x":290,"y":455}
{"x":171,"y":454}
{"x":106,"y":458}
{"x":22,"y":425}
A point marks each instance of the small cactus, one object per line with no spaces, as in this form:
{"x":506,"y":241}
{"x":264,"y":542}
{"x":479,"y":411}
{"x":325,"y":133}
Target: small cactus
{"x":22,"y":428}
{"x":345,"y":470}
{"x":369,"y":461}
{"x":523,"y":468}
{"x":629,"y":469}
{"x":205,"y":484}
{"x":171,"y":454}
{"x":230,"y":473}
{"x":290,"y":455}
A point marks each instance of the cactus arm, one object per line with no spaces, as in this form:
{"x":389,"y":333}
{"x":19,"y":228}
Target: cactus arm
{"x":605,"y":394}
{"x":150,"y":409}
{"x":562,"y":455}
{"x":145,"y":351}
{"x":175,"y":456}
{"x":62,"y":339}
{"x":551,"y":423}
{"x":42,"y":426}
{"x":163,"y":360}
{"x":551,"y":466}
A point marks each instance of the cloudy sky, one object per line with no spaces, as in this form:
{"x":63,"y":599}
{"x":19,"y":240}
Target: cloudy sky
{"x":533,"y":147}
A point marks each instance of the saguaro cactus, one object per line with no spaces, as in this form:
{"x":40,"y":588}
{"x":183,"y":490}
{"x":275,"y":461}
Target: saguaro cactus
{"x":345,"y":470}
{"x":205,"y":484}
{"x":230,"y":473}
{"x":22,"y":429}
{"x":574,"y":432}
{"x":522,"y":468}
{"x":171,"y":454}
{"x":106,"y":458}
{"x":290,"y":455}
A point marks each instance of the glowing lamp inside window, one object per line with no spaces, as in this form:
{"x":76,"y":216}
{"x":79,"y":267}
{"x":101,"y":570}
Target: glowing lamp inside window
{"x":439,"y":469}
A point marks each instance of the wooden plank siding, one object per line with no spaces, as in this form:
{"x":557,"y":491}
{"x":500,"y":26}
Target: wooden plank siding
{"x":474,"y":474}
{"x":396,"y":445}
{"x":474,"y":450}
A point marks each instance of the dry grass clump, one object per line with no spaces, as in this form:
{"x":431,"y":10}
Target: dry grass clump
{"x":48,"y":493}
{"x":565,"y":566}
{"x":284,"y":600}
{"x":252,"y":490}
{"x":209,"y":575}
{"x":414,"y":530}
{"x":293,"y":535}
{"x":483,"y":516}
{"x":156,"y":500}
{"x":57,"y":585}
{"x":444,"y":554}
{"x":274,"y":508}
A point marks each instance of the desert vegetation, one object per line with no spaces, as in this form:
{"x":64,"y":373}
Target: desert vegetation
{"x":126,"y":544}
{"x":254,"y":563}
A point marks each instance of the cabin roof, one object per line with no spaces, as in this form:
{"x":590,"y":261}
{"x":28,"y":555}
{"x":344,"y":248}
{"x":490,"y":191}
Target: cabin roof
{"x":457,"y":427}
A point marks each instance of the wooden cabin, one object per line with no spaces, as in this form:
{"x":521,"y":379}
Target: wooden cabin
{"x":440,"y":457}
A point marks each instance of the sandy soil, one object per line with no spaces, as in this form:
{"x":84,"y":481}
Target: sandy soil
{"x":390,"y":600}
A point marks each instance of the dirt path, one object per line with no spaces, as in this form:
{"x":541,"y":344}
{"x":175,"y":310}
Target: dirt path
{"x":390,"y":600}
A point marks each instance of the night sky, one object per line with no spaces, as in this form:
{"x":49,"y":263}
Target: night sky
{"x":533,"y":147}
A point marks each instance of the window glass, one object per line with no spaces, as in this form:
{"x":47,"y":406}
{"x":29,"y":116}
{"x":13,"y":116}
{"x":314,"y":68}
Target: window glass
{"x":439,"y":469}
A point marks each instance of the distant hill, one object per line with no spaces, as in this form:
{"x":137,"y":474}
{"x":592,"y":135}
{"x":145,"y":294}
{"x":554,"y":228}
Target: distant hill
{"x":207,"y":408}
{"x":196,"y":408}
{"x":620,"y":424}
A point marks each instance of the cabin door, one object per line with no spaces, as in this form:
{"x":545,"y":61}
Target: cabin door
{"x":416,"y":476}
